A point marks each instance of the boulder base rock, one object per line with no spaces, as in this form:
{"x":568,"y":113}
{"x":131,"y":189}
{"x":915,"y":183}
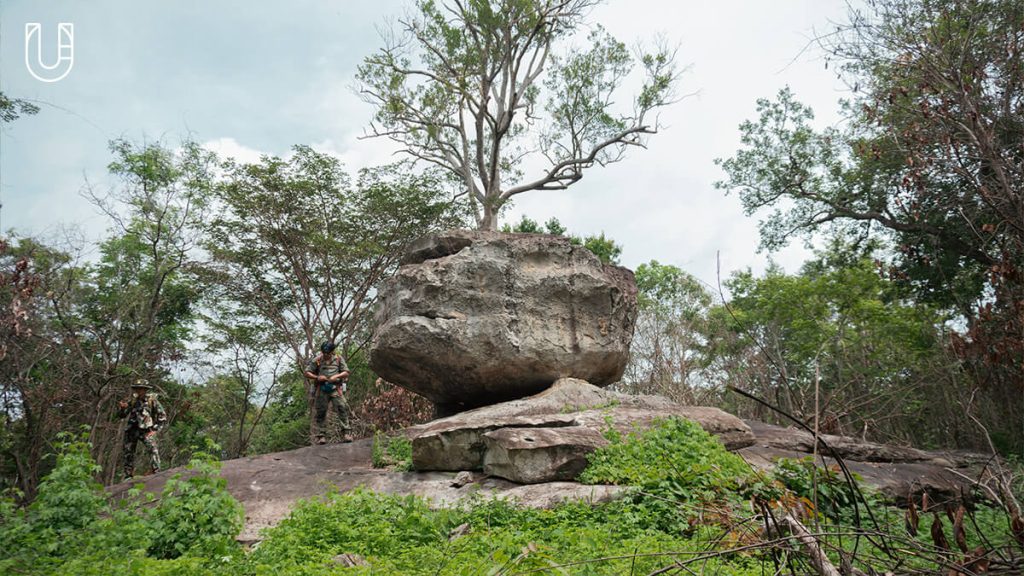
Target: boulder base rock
{"x":565,"y":422}
{"x":269,"y":485}
{"x":533,"y":455}
{"x":473,"y":318}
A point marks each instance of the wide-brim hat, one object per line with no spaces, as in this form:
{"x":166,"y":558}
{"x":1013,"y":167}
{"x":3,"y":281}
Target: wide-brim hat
{"x":141,"y":384}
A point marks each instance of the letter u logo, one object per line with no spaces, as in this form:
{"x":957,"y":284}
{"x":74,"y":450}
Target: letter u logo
{"x":65,"y":52}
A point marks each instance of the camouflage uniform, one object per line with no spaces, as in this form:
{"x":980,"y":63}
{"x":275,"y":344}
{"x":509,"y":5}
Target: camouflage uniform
{"x":145,"y":415}
{"x":329,"y":392}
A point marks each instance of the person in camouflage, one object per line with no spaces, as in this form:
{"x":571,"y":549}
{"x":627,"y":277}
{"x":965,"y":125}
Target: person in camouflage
{"x":329,"y":374}
{"x":145,"y":418}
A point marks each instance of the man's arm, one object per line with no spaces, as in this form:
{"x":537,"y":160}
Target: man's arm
{"x":313,"y":371}
{"x":161,"y":414}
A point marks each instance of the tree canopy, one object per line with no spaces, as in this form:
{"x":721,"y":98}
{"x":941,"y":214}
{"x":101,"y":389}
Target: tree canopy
{"x":489,"y":89}
{"x":930,"y":158}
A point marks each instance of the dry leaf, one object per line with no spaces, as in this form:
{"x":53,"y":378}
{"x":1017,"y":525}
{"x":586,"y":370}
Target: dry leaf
{"x":912,"y":519}
{"x":938,"y":535}
{"x":1017,"y":527}
{"x":958,"y":529}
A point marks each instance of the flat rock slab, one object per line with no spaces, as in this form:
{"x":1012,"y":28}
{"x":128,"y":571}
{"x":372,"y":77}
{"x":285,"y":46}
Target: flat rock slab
{"x":459,"y":442}
{"x":898,"y":473}
{"x":268,"y":486}
{"x":472,"y":318}
{"x":533,"y":455}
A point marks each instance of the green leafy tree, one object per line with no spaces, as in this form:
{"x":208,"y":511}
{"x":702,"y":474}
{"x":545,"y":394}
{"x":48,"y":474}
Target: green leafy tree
{"x":929,"y":158}
{"x":285,"y":424}
{"x":666,"y":355}
{"x":477,"y":87}
{"x":299,"y":250}
{"x":603,"y":247}
{"x":132,"y":312}
{"x":246,"y":369}
{"x":840,"y":346}
{"x":82,"y":332}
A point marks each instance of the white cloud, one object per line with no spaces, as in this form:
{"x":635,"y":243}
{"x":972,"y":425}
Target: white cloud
{"x":227,"y":147}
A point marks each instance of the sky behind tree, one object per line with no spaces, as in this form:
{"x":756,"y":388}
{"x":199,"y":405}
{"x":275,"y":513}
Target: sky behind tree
{"x":249,"y":78}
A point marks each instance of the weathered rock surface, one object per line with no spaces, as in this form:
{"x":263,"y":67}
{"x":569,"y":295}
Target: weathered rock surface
{"x":473,"y":318}
{"x":533,"y":455}
{"x":269,"y":485}
{"x":898,"y":473}
{"x":568,"y":412}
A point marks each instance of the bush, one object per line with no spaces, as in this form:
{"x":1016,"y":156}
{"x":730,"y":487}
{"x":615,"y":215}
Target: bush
{"x":69,"y":497}
{"x":394,"y":452}
{"x":195,"y":513}
{"x":71,"y":527}
{"x":675,"y":457}
{"x":403,"y":535}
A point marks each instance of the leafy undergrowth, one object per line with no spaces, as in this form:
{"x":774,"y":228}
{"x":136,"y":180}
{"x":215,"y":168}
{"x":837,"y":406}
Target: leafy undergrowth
{"x":693,"y":508}
{"x":394,"y":452}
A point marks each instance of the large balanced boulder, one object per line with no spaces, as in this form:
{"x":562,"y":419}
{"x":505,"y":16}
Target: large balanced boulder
{"x":473,"y":318}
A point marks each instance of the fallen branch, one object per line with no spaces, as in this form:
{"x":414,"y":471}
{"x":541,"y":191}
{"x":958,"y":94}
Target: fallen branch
{"x":819,"y":560}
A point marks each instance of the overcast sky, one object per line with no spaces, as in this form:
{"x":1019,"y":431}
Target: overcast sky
{"x":251,"y":77}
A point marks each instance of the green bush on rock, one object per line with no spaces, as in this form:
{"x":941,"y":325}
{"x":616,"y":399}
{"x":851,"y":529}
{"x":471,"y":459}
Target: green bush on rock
{"x":195,"y":513}
{"x":675,"y":457}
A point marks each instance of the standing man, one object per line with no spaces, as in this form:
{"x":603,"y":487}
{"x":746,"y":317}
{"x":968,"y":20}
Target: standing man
{"x":145,"y":418}
{"x":329,"y":373}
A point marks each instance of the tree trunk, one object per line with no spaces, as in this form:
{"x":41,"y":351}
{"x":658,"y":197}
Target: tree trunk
{"x":489,"y":220}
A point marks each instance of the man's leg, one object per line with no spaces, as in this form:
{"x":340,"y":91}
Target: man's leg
{"x":154,"y":453}
{"x":344,"y":416}
{"x":320,"y":408}
{"x":131,"y":437}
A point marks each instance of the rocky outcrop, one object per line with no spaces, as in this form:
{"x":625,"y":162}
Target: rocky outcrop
{"x":898,"y":473}
{"x":563,"y":423}
{"x":269,"y":485}
{"x":473,"y":318}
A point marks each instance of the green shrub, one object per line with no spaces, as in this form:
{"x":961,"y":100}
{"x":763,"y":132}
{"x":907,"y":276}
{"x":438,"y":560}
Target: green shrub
{"x":675,"y":456}
{"x":394,"y":452}
{"x":359,"y":522}
{"x":196,"y":512}
{"x":69,"y":497}
{"x":403,"y":535}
